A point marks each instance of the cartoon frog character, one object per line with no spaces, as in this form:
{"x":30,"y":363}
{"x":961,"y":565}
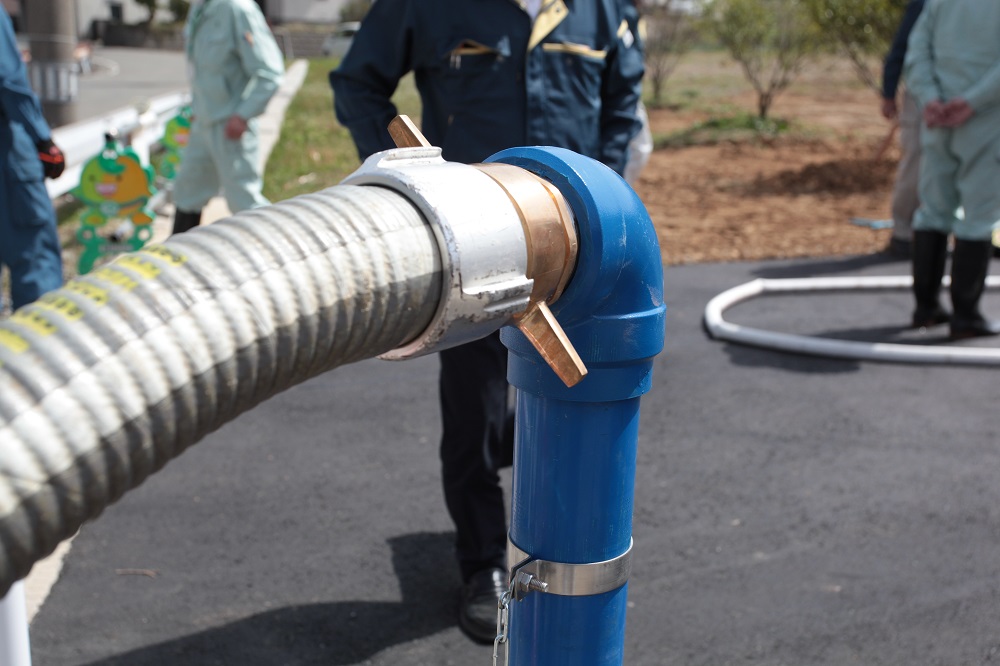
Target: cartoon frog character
{"x":175,"y":139}
{"x":114,"y":184}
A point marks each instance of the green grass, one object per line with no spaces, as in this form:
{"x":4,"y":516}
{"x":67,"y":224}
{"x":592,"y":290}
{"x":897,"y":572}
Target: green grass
{"x":314,"y":151}
{"x":740,"y":127}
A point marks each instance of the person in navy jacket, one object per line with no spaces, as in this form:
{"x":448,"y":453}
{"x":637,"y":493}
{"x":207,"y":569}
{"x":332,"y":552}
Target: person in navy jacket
{"x":29,"y":243}
{"x":492,"y":74}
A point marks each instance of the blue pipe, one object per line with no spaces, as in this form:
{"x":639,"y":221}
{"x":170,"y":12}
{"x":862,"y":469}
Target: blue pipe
{"x":575,"y":448}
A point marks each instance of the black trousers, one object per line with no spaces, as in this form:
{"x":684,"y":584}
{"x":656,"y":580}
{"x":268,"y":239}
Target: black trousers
{"x":477,"y":440}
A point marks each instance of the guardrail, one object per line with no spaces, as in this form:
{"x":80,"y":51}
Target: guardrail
{"x":138,"y":126}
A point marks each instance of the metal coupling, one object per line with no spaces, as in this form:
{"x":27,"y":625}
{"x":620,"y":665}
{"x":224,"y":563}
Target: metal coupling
{"x":480,"y":236}
{"x":507,"y":241}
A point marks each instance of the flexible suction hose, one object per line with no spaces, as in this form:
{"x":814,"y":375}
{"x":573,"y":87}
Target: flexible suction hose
{"x":107,"y":379}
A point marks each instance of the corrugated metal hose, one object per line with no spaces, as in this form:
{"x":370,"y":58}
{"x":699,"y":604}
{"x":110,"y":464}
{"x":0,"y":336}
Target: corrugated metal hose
{"x":168,"y":344}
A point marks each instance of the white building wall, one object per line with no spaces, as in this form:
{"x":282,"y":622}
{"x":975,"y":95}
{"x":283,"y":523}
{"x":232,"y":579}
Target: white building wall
{"x":87,"y":11}
{"x":305,"y":11}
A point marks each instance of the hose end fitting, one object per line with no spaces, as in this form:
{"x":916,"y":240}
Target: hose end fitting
{"x":484,"y":260}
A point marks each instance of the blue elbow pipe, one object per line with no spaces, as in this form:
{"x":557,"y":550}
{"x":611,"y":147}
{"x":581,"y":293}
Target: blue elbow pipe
{"x":575,"y":448}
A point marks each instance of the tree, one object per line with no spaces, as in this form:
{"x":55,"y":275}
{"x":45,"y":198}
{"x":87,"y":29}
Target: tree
{"x":669,"y":35}
{"x":354,"y":10}
{"x":180,"y":9}
{"x":770,"y":39}
{"x":863,"y":29}
{"x":150,"y":6}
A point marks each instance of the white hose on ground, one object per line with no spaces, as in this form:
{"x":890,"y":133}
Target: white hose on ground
{"x":721,"y":329}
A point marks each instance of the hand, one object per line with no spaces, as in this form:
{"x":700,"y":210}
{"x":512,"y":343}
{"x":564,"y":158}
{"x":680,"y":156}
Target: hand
{"x":957,"y":112}
{"x":889,"y":108}
{"x":934,"y":113}
{"x":53,"y":160}
{"x":235,"y":127}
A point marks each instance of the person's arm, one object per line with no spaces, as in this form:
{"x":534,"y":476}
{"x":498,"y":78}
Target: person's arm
{"x":620,"y":93}
{"x":919,"y":62}
{"x":261,"y":59}
{"x":17,"y":99}
{"x":892,"y":69}
{"x":985,"y":92}
{"x":364,"y":83}
{"x":20,"y":104}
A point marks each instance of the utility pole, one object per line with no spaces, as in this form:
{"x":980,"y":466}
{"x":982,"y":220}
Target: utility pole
{"x":51,"y":29}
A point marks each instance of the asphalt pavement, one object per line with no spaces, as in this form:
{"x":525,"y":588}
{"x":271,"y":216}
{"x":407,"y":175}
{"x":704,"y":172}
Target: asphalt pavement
{"x":124,"y":77}
{"x":789,"y":510}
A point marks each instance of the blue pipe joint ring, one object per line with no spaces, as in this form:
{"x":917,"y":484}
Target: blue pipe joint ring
{"x":612,"y":309}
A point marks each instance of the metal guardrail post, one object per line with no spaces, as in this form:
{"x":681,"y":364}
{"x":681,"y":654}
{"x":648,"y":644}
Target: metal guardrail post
{"x":575,"y":451}
{"x":53,"y":70}
{"x":15,"y":648}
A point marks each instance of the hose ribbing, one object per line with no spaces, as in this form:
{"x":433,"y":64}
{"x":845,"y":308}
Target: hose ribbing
{"x":105,"y":380}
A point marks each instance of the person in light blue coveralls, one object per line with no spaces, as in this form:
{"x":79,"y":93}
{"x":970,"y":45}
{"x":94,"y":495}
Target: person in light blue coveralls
{"x":29,"y":243}
{"x":492,"y":74}
{"x":953,"y":68}
{"x":235,"y":67}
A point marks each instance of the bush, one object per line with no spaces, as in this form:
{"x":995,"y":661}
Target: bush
{"x":669,"y":35}
{"x":863,"y":29}
{"x":149,"y":6}
{"x":180,"y":9}
{"x":354,"y":10}
{"x":770,"y":39}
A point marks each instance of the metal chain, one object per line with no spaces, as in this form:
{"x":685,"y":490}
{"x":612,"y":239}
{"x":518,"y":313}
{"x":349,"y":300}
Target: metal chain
{"x":503,"y":615}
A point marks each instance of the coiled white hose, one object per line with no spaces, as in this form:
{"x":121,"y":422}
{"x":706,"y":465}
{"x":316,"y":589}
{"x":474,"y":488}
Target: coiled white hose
{"x":720,"y":329}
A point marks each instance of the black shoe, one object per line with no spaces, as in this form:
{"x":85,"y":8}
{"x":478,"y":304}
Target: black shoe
{"x":477,"y":610}
{"x":930,"y":318}
{"x":979,"y":327}
{"x":930,"y":252}
{"x":969,"y":266}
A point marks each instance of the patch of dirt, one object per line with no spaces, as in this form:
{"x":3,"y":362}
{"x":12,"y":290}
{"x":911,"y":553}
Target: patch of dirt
{"x":790,"y":197}
{"x":840,"y":176}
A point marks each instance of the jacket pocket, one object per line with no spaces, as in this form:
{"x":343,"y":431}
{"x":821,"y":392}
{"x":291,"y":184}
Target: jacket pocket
{"x":29,"y":204}
{"x":581,"y":50}
{"x":467,"y":56}
{"x":212,"y":50}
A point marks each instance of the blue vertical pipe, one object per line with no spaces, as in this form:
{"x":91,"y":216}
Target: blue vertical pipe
{"x":575,"y":448}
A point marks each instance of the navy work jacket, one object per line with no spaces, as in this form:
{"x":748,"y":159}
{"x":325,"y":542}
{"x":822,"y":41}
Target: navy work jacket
{"x":490,"y":78}
{"x":22,"y":126}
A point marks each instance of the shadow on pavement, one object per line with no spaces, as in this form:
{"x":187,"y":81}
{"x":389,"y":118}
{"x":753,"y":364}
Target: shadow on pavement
{"x":333,"y":634}
{"x":850,"y":265}
{"x":757,"y":357}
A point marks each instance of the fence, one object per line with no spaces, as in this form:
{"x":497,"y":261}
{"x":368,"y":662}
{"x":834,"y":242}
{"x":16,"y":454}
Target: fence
{"x":141,"y":127}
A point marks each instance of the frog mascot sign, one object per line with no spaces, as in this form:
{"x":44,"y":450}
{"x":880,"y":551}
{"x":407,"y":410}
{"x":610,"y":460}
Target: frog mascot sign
{"x":114,"y":185}
{"x":175,"y":139}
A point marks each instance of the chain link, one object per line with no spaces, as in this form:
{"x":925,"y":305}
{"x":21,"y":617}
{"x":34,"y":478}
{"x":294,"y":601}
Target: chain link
{"x":503,"y":615}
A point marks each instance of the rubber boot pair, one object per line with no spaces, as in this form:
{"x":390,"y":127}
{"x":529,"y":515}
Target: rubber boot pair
{"x":970,"y":263}
{"x":186,"y":220}
{"x":929,"y":253}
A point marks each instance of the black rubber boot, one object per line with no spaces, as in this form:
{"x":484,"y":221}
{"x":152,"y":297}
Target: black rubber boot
{"x":930,"y":252}
{"x":970,"y":262}
{"x":185,"y":221}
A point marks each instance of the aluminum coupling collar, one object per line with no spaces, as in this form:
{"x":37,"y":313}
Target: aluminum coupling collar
{"x":484,"y":253}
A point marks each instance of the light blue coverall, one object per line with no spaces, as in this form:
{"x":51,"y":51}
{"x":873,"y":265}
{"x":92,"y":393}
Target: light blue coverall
{"x":235,"y":68}
{"x":29,"y":244}
{"x":954,"y":52}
